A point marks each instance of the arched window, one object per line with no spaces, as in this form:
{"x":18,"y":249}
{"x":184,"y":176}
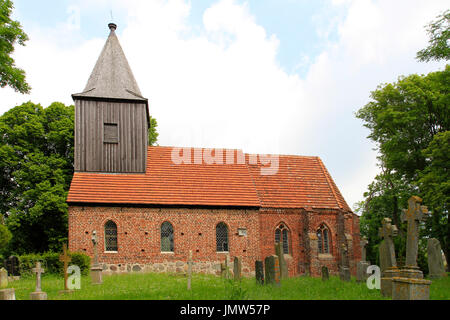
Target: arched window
{"x":110,"y":236}
{"x":323,"y":236}
{"x":282,"y":235}
{"x":222,"y":237}
{"x":166,"y":237}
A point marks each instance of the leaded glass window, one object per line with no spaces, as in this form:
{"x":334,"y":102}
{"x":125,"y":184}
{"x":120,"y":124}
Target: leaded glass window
{"x":323,"y":239}
{"x":282,"y":235}
{"x":110,"y":236}
{"x":166,"y":237}
{"x":222,"y":237}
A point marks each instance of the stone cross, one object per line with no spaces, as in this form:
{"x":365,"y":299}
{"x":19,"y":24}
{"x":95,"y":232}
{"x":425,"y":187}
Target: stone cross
{"x":387,"y":232}
{"x":413,"y":215}
{"x":363,"y":244}
{"x":94,"y":242}
{"x":65,"y":258}
{"x":283,"y":265}
{"x":189,"y":270}
{"x":344,"y":255}
{"x":38,"y":270}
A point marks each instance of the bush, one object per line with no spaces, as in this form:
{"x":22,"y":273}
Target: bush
{"x":51,"y":264}
{"x":5,"y":236}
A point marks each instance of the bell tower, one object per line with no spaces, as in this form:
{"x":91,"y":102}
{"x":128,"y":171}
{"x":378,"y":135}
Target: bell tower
{"x":111,"y":116}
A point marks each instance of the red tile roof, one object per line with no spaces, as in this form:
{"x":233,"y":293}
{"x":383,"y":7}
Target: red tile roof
{"x":299,"y":182}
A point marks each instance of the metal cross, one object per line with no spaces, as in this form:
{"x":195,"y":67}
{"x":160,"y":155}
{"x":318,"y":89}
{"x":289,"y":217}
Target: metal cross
{"x":65,"y":258}
{"x":413,"y":215}
{"x":38,"y":270}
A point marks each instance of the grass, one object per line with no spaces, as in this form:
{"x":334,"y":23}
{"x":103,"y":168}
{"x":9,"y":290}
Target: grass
{"x":139,"y":286}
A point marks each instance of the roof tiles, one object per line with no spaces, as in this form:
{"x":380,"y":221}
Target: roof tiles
{"x":298,"y":182}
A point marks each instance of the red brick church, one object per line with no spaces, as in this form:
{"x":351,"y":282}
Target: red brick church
{"x":150,"y":206}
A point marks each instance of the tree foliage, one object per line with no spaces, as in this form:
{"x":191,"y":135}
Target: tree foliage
{"x":5,"y":236}
{"x":439,"y":42}
{"x":36,"y":168}
{"x":11,"y":33}
{"x":409,"y":122}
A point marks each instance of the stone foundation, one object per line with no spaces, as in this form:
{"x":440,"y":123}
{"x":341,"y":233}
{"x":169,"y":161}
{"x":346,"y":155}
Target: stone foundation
{"x":180,"y":267}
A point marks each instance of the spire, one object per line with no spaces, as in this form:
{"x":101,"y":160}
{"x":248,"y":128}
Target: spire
{"x":112,"y":76}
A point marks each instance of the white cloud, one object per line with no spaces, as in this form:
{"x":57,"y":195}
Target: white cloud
{"x":225,"y":88}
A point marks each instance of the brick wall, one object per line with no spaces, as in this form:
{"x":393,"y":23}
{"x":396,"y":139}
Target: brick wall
{"x":139,"y":244}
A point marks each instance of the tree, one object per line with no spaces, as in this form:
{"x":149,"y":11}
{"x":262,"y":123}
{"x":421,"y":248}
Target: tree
{"x":11,"y":33}
{"x":152,"y":133}
{"x":5,"y":236}
{"x":439,"y":44}
{"x":409,"y":121}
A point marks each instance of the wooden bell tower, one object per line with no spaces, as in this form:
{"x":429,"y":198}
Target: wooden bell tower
{"x":111,"y":116}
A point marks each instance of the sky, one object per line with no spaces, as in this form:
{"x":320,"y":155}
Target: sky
{"x":264,"y":76}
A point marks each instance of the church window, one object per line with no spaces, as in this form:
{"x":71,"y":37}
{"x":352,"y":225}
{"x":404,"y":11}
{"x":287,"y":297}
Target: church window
{"x":110,"y":236}
{"x":111,"y":133}
{"x":222,"y":237}
{"x":282,"y":235}
{"x":323,"y":237}
{"x":166,"y":237}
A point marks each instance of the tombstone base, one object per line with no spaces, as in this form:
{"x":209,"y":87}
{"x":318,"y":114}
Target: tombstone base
{"x":96,"y":275}
{"x":361,"y":271}
{"x":7,"y":294}
{"x":386,"y":281}
{"x":38,"y":296}
{"x":65,"y":291}
{"x":411,"y":272}
{"x":410,"y":289}
{"x":344,"y":274}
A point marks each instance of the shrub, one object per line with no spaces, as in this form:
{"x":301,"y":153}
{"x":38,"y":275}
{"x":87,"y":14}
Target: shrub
{"x":5,"y":236}
{"x":51,"y":264}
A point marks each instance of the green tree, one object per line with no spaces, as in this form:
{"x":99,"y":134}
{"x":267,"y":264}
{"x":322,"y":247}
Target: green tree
{"x":5,"y":236}
{"x":152,"y":133}
{"x":407,"y":121}
{"x":439,"y":45}
{"x":11,"y":33}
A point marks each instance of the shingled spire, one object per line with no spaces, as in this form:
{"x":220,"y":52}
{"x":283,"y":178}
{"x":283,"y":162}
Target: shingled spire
{"x":112,"y":76}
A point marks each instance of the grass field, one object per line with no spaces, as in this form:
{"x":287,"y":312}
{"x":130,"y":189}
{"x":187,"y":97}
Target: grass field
{"x":139,"y":286}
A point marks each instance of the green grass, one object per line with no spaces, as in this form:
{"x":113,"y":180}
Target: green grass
{"x":139,"y":286}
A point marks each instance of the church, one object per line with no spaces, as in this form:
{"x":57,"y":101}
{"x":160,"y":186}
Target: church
{"x":151,"y":205}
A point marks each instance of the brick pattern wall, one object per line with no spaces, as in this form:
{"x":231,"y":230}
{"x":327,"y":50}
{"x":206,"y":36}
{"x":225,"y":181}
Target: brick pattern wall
{"x":139,"y":244}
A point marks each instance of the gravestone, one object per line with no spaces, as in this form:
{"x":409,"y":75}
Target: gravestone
{"x":325,"y":273}
{"x":65,"y":259}
{"x":12,"y":266}
{"x":277,"y":271}
{"x":3,"y":278}
{"x":435,"y":259}
{"x":259,"y":272}
{"x":272,"y":269}
{"x":410,"y":285}
{"x":361,"y":267}
{"x":413,"y":215}
{"x":237,"y":268}
{"x":96,"y":269}
{"x":283,"y":264}
{"x":38,"y":294}
{"x":388,"y":262}
{"x":344,"y":272}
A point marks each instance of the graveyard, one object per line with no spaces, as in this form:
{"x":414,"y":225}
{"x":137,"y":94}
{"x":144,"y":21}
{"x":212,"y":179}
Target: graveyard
{"x":153,"y":286}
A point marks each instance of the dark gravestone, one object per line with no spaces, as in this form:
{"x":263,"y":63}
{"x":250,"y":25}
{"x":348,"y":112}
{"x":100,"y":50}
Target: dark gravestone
{"x":259,"y":271}
{"x":12,"y":266}
{"x":325,"y":274}
{"x":237,"y":268}
{"x":270,"y":263}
